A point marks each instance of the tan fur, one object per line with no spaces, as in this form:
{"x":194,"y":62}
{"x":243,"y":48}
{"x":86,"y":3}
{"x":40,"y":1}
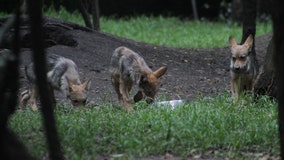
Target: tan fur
{"x":77,"y":93}
{"x":129,"y":68}
{"x":243,"y":67}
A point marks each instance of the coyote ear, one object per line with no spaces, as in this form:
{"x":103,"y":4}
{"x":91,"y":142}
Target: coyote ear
{"x":232,"y":41}
{"x":159,"y":72}
{"x":87,"y":84}
{"x":249,"y":41}
{"x":70,"y":85}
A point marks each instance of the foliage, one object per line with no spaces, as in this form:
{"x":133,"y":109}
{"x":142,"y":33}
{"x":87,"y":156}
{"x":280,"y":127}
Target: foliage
{"x":216,"y":123}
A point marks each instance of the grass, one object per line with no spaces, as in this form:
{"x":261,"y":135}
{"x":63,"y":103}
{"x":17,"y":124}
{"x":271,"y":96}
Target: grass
{"x":170,"y":31}
{"x":236,"y":130}
{"x":174,"y":32}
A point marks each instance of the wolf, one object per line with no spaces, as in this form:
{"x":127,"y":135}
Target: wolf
{"x":62,"y":75}
{"x":243,"y":66}
{"x":128,"y":68}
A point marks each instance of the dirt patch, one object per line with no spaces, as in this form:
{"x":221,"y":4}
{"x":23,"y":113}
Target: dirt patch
{"x":191,"y":72}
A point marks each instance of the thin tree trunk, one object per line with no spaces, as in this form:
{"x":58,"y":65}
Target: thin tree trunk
{"x":96,"y":14}
{"x":10,"y":146}
{"x":278,"y":40}
{"x":249,"y":25}
{"x":194,"y":9}
{"x":9,"y":84}
{"x":84,"y":13}
{"x":249,"y":20}
{"x":35,"y":14}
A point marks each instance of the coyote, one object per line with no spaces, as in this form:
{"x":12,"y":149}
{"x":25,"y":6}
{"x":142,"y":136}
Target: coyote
{"x":62,"y":75}
{"x":129,"y":68}
{"x":243,"y":66}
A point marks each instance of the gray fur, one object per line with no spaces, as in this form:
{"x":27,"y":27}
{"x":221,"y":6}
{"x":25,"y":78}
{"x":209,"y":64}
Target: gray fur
{"x":129,"y":65}
{"x":62,"y":74}
{"x":128,"y":68}
{"x":59,"y":69}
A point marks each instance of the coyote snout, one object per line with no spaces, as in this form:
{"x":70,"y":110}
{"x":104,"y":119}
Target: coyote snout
{"x":243,"y":66}
{"x":129,"y":68}
{"x":62,"y":75}
{"x":78,"y":93}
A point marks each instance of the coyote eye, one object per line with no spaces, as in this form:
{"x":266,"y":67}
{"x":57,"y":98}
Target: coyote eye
{"x":242,"y":58}
{"x":234,"y":58}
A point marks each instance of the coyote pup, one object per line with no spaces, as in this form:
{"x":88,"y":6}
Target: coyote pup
{"x":243,"y":66}
{"x":129,"y":68}
{"x":62,"y":75}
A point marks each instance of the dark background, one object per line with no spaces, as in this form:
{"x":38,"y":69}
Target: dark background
{"x":207,"y":9}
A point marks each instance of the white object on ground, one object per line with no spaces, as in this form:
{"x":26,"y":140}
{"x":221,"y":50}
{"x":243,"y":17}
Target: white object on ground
{"x":172,"y":103}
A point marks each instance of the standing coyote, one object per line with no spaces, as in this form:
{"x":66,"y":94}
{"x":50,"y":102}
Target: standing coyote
{"x":244,"y":66}
{"x":62,"y":75}
{"x":129,"y":68}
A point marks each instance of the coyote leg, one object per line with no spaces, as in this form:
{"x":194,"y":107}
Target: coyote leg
{"x":115,"y":84}
{"x":234,"y":90}
{"x":25,"y":96}
{"x":33,"y":98}
{"x":124,"y":90}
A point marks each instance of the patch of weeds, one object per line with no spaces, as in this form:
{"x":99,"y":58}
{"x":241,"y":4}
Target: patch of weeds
{"x":210,"y":125}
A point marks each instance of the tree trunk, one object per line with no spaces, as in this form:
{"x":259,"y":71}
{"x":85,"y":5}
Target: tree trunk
{"x":96,"y":15}
{"x":45,"y":94}
{"x":10,"y":146}
{"x":265,"y":83}
{"x":278,"y":37}
{"x":194,"y":9}
{"x":249,"y":25}
{"x":84,"y":12}
{"x":249,"y":20}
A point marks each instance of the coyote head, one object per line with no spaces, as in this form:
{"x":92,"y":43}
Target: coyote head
{"x":240,"y":58}
{"x":149,"y":84}
{"x":78,"y":93}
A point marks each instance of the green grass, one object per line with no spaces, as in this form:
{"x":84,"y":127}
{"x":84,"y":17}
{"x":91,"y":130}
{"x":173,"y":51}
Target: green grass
{"x":174,"y":32}
{"x":170,"y":31}
{"x":236,"y":130}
